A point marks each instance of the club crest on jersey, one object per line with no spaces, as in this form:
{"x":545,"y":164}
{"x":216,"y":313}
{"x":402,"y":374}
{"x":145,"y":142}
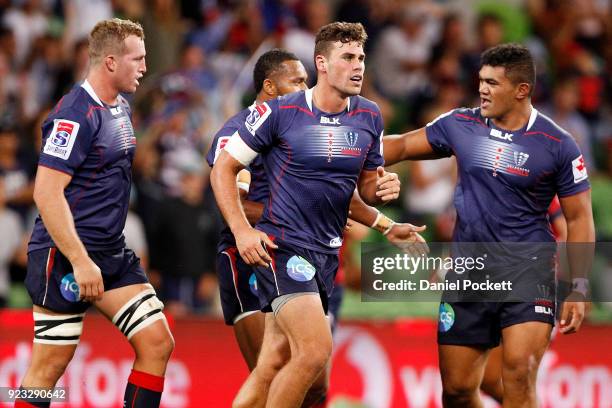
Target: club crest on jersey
{"x":61,"y":139}
{"x":329,"y":121}
{"x":257,"y":117}
{"x":351,"y":139}
{"x":499,"y":135}
{"x":520,"y":158}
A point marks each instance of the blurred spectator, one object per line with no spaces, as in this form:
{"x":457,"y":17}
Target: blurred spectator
{"x":300,"y":40}
{"x":162,"y":26}
{"x":564,"y":112}
{"x":81,"y":16}
{"x":10,"y":236}
{"x":10,"y":109}
{"x":27,"y":22}
{"x":18,"y":180}
{"x":402,"y":53}
{"x":182,"y":253}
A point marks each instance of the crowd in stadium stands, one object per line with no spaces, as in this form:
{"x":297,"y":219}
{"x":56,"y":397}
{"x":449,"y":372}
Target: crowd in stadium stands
{"x":423,"y":57}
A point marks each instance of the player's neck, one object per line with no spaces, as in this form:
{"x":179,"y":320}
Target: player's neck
{"x":515,"y":119}
{"x":328,"y":99}
{"x":103,"y":87}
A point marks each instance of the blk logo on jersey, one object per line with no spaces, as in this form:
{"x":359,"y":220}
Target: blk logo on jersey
{"x":579,"y":169}
{"x":329,"y":121}
{"x":61,"y":139}
{"x":499,"y":135}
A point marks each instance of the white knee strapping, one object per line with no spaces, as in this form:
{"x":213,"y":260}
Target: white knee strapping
{"x":139,"y":312}
{"x":58,"y":330}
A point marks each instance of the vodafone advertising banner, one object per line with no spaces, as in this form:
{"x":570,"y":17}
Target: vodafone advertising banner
{"x":375,"y":364}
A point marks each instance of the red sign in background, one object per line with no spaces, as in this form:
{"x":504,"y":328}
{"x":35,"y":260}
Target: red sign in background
{"x":379,"y":364}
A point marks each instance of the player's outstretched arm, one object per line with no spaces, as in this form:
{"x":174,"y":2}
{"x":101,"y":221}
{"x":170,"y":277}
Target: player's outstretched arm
{"x":407,"y":146}
{"x":248,"y":240}
{"x":398,"y":234}
{"x":55,"y":212}
{"x":580,"y":246}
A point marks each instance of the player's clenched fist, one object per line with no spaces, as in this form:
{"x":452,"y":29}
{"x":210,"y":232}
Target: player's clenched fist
{"x":250,"y":243}
{"x":387,"y":185}
{"x":89,"y":278}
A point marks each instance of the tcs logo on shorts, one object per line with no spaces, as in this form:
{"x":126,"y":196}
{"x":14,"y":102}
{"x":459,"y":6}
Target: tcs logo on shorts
{"x":300,"y":269}
{"x":446,"y":318}
{"x":69,"y":288}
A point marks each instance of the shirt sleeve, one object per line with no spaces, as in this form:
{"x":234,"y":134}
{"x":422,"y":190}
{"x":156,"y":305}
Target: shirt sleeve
{"x":374,"y":157}
{"x":439,"y":134}
{"x":260,"y":129}
{"x":220,"y":140}
{"x":571,"y":177}
{"x":67,"y":140}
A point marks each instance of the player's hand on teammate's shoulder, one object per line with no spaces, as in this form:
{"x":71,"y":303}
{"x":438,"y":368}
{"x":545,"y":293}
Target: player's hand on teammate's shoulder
{"x":387,"y":185}
{"x":406,"y":237}
{"x":251,"y":244}
{"x":89,"y":278}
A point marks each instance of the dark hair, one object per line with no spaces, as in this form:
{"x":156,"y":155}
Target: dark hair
{"x":517,"y":61}
{"x":338,"y":31}
{"x":269,"y":63}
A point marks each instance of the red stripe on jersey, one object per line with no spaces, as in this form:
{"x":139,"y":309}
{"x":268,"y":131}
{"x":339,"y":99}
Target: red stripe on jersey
{"x":544,"y":134}
{"x":356,"y":111}
{"x":298,"y":108}
{"x":459,"y":115}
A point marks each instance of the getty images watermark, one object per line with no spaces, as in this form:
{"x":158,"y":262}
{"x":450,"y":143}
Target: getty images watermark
{"x":411,"y":264}
{"x":493,"y":271}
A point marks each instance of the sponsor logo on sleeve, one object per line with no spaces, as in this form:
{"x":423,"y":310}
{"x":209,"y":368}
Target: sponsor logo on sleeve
{"x":220,"y":146}
{"x":579,"y":169}
{"x":257,"y":117}
{"x":61,"y":139}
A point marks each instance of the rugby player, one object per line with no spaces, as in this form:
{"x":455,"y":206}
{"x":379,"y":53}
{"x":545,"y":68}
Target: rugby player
{"x":276,"y":73}
{"x":77,"y":255}
{"x":317,"y":146}
{"x":512,"y":161}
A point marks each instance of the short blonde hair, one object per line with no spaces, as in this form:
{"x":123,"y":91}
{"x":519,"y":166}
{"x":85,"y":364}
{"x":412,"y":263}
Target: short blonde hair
{"x":108,"y":36}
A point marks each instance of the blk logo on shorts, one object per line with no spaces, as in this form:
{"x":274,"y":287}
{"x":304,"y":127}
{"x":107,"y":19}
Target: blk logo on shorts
{"x":447,"y":317}
{"x":300,"y":269}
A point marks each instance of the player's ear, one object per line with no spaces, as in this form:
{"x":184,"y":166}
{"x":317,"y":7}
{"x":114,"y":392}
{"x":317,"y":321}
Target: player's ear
{"x":269,"y":88}
{"x":110,"y":63}
{"x":321,"y":63}
{"x":523,"y":91}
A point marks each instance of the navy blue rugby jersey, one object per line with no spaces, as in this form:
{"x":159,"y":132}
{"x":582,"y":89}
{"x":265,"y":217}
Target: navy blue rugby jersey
{"x":313,"y":160}
{"x":507,"y":180}
{"x":258,"y":190}
{"x":95,"y":144}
